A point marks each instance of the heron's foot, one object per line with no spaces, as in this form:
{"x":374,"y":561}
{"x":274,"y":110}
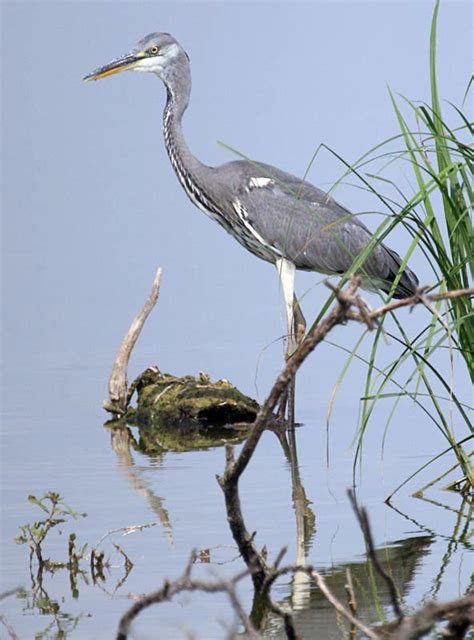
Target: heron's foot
{"x":286,"y":408}
{"x":296,"y":337}
{"x":282,"y":408}
{"x":299,"y":323}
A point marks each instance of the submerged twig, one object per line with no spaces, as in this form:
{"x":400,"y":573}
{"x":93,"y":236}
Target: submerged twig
{"x":118,"y":382}
{"x":125,"y":531}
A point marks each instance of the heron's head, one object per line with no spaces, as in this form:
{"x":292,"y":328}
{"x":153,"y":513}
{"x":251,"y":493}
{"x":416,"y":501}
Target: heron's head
{"x":159,"y":53}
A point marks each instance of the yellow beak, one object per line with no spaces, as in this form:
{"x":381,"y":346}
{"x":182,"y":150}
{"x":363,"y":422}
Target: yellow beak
{"x":128,"y":61}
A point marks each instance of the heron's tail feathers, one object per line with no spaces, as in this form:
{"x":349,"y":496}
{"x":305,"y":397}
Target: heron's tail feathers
{"x":408,"y":283}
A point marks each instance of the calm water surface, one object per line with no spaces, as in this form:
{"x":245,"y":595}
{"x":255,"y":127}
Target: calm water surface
{"x":70,"y":451}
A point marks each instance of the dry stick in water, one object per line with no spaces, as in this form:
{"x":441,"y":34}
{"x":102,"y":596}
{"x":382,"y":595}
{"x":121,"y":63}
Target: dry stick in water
{"x":118,"y":383}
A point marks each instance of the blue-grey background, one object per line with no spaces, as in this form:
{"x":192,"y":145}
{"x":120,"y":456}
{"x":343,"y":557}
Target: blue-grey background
{"x":91,"y":207}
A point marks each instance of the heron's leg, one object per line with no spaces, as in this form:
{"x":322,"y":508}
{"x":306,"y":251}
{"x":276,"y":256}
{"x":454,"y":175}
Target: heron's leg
{"x":286,"y":271}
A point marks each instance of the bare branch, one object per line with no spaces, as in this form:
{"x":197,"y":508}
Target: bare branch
{"x":337,"y":315}
{"x":460,"y":613}
{"x":10,"y":630}
{"x":244,"y":540}
{"x":419,"y":298}
{"x":422,"y":621}
{"x":343,"y":310}
{"x":118,"y":382}
{"x":285,"y":612}
{"x":186,"y":583}
{"x":279,"y":558}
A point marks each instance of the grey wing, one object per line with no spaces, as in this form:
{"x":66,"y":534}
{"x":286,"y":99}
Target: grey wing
{"x":308,"y":227}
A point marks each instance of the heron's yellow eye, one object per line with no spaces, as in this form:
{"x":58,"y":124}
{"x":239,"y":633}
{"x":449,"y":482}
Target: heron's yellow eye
{"x":153,"y":51}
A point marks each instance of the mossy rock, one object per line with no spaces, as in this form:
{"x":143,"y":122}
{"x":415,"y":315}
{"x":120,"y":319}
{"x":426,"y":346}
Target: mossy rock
{"x":190,"y":403}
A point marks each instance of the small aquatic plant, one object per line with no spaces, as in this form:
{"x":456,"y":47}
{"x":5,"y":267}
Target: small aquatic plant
{"x":34,"y":534}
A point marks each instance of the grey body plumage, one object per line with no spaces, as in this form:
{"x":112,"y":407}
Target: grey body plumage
{"x":303,"y":224}
{"x":275,"y":215}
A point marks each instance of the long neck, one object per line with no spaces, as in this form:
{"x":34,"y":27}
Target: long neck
{"x":184,"y":162}
{"x":196,"y":178}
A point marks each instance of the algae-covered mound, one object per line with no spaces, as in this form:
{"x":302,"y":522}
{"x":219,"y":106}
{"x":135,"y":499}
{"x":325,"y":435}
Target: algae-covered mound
{"x":190,"y":403}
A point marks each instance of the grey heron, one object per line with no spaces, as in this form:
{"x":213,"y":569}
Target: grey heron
{"x":275,"y":215}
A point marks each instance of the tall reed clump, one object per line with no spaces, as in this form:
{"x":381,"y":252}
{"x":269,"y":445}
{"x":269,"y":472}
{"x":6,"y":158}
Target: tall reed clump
{"x":447,"y":164}
{"x":439,"y":218}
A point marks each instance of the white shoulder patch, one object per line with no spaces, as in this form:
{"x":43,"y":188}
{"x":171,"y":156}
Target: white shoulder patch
{"x":258,"y":183}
